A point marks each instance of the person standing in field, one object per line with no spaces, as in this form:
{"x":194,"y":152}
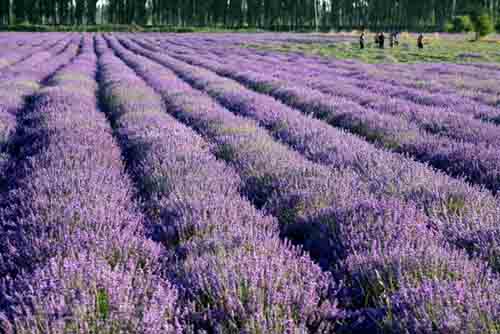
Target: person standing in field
{"x":420,"y":41}
{"x":362,"y":41}
{"x":396,"y":38}
{"x":381,"y":40}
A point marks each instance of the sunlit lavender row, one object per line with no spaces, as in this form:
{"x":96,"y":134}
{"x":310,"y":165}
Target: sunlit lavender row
{"x":425,"y":137}
{"x":157,"y":183}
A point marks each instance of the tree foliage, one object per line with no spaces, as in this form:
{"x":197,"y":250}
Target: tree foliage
{"x":482,"y":21}
{"x":275,"y":14}
{"x":483,"y":25}
{"x":462,"y":24}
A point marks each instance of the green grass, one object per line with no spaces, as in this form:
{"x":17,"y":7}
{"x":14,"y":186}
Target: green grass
{"x":436,"y":50}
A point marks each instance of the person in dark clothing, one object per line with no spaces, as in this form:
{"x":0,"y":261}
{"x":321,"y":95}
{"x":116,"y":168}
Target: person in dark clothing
{"x":362,"y":41}
{"x":420,"y":41}
{"x":381,"y":40}
{"x":376,"y":38}
{"x":391,"y":40}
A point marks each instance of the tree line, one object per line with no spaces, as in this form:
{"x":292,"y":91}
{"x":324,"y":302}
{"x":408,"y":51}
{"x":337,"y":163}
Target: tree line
{"x":266,"y":14}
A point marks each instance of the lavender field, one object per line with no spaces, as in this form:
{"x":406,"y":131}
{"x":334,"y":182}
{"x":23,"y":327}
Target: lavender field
{"x":187,"y":183}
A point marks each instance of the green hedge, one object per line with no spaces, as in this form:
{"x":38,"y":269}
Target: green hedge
{"x":117,"y":28}
{"x":459,"y":24}
{"x":66,"y":28}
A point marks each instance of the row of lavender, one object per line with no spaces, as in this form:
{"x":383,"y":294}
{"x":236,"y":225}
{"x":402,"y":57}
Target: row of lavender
{"x":479,"y":162}
{"x":436,"y":113}
{"x":232,"y":268}
{"x":383,"y":250}
{"x":473,"y":80}
{"x":11,"y":55}
{"x":21,"y":40}
{"x":437,"y":97}
{"x":410,"y":83}
{"x":73,"y":253}
{"x":467,"y":216}
{"x":23,"y":78}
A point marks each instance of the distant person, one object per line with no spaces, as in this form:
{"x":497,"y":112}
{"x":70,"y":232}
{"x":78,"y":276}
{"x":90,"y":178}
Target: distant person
{"x":396,"y":38}
{"x":420,"y":41}
{"x":376,"y":38}
{"x":362,"y":41}
{"x":391,"y":40}
{"x":381,"y":40}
